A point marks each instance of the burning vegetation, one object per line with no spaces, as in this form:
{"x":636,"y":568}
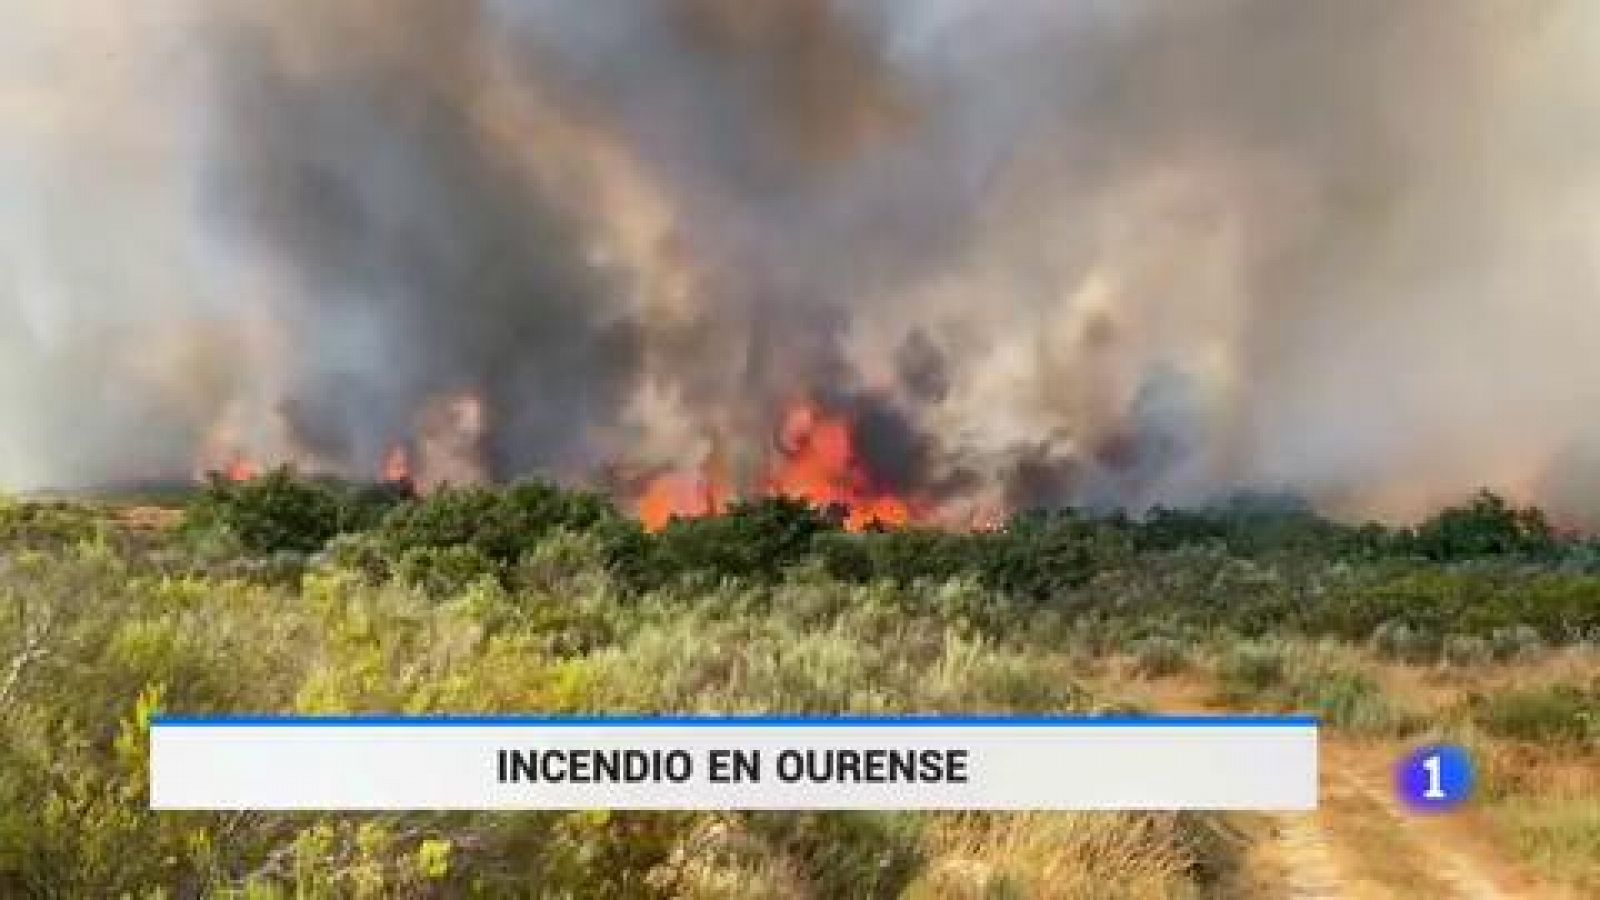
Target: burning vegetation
{"x":815,"y":459}
{"x":929,"y":263}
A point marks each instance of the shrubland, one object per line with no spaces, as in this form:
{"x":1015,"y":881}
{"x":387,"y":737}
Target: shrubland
{"x":1486,"y":570}
{"x":290,"y":594}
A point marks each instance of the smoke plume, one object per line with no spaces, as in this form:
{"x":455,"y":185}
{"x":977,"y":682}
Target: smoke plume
{"x":1026,"y":253}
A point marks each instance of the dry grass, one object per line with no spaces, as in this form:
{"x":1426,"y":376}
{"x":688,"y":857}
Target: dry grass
{"x":1536,"y":822}
{"x":1544,"y":803}
{"x":1560,"y":838}
{"x":1066,"y":857}
{"x":1441,"y":686}
{"x":1539,"y":801}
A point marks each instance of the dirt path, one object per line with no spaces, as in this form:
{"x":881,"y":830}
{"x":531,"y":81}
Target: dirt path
{"x":1361,"y":844}
{"x":1381,"y":850}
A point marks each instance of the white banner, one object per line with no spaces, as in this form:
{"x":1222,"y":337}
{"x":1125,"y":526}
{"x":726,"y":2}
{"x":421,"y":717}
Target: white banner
{"x":733,"y":763}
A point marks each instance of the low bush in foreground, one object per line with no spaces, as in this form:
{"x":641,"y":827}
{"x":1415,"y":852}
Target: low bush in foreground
{"x":1320,"y":680}
{"x":1557,"y":713}
{"x":300,"y":595}
{"x":72,"y":807}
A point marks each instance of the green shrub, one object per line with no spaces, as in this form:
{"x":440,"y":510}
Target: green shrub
{"x":450,"y":517}
{"x":1475,"y":599}
{"x":560,"y":558}
{"x":1397,"y":640}
{"x":1036,"y":558}
{"x":1317,"y":679}
{"x":444,"y":570}
{"x":502,"y":524}
{"x":40,"y":526}
{"x":903,"y":556}
{"x":1159,"y":656}
{"x":1250,"y":668}
{"x":360,"y":552}
{"x":282,"y":512}
{"x":1486,"y":527}
{"x":1467,"y":651}
{"x":1254,"y":568}
{"x":1347,"y":699}
{"x":496,"y":527}
{"x":757,"y":539}
{"x":1553,"y":713}
{"x":1518,"y":643}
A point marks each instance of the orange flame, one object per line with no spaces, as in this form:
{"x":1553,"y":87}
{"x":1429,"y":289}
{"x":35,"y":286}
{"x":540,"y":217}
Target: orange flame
{"x":816,"y":461}
{"x":240,"y":469}
{"x":687,"y":495}
{"x":397,"y":466}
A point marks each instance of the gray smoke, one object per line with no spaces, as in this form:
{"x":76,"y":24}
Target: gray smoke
{"x":1038,"y":251}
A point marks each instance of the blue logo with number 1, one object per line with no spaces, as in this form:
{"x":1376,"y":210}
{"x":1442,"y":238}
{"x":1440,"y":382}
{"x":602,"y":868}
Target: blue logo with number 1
{"x":1435,"y":779}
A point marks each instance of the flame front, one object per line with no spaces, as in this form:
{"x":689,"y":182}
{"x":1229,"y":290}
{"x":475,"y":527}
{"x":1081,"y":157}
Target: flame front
{"x":241,"y":468}
{"x":818,"y":462}
{"x":397,"y":466}
{"x":687,"y":495}
{"x":813,"y":455}
{"x":815,"y":459}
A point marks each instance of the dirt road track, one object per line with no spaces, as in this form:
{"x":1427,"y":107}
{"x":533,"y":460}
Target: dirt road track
{"x":1362,"y":844}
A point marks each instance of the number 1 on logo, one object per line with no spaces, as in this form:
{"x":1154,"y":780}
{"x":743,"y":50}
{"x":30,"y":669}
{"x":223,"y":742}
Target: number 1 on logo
{"x":1433,"y":779}
{"x":1435,"y":768}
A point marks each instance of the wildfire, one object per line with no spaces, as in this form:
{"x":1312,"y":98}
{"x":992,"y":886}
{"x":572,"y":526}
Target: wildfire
{"x":816,"y":460}
{"x":814,"y":456}
{"x":686,"y":495}
{"x":224,"y":455}
{"x":241,"y":468}
{"x":397,"y":466}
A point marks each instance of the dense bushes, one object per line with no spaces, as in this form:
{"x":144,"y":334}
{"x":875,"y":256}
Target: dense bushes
{"x":1488,"y":526}
{"x":114,"y":644}
{"x":751,"y":540}
{"x":35,"y":525}
{"x":533,"y":598}
{"x":1557,"y":713}
{"x":281,"y":512}
{"x":1256,"y":565}
{"x":502,"y":525}
{"x":1319,"y":679}
{"x":1431,"y":603}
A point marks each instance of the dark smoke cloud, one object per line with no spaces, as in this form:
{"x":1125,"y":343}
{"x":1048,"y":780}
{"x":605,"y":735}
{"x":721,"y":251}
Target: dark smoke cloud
{"x":1040,"y":251}
{"x":402,"y":219}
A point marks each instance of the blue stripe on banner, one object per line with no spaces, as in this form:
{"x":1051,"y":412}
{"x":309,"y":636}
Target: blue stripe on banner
{"x":736,"y":721}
